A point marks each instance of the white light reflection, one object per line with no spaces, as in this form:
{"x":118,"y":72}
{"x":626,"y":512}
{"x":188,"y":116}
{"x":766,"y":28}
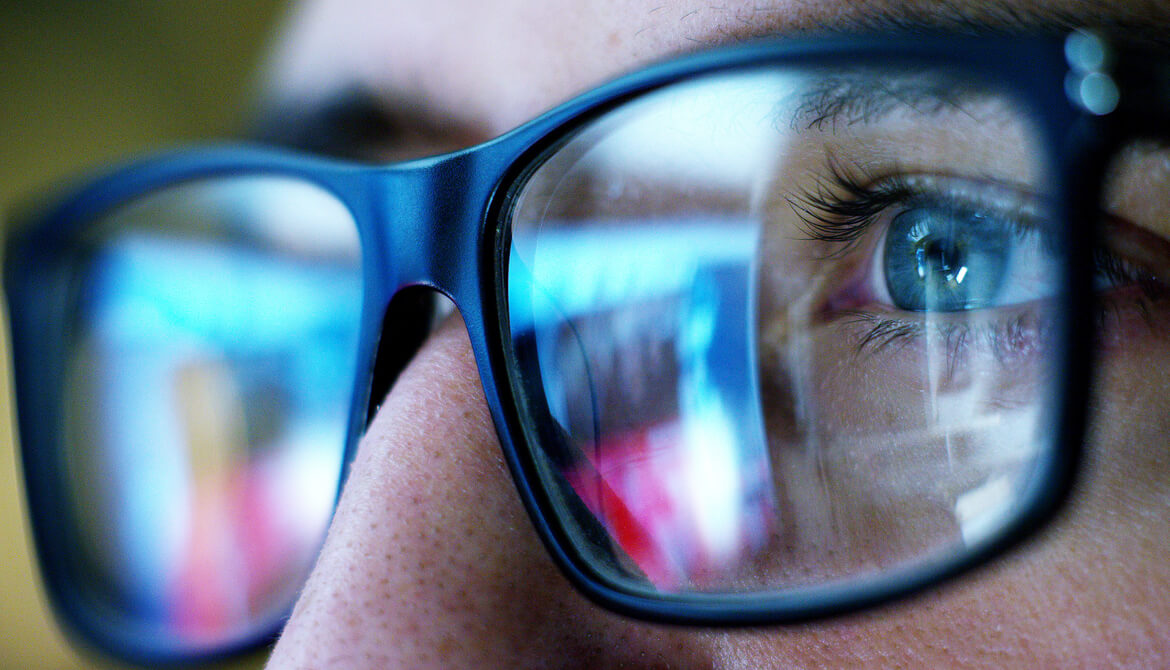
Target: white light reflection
{"x":970,"y":402}
{"x":287,"y":214}
{"x":713,"y":482}
{"x":718,"y":131}
{"x":982,"y":510}
{"x":714,"y":486}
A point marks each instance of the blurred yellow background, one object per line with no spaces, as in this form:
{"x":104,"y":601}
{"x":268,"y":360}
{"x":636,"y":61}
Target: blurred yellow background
{"x":82,"y":84}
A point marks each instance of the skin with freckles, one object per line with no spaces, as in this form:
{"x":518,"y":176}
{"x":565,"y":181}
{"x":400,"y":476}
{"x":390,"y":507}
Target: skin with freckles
{"x":431,"y":562}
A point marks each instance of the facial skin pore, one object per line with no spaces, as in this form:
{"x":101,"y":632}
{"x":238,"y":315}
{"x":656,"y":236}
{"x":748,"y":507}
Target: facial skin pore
{"x":431,"y":560}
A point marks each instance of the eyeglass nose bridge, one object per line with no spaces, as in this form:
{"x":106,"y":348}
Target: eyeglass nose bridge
{"x":432,"y":226}
{"x":432,"y":235}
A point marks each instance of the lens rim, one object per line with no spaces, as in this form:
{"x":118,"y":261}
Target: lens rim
{"x":38,"y":258}
{"x":1039,"y":90}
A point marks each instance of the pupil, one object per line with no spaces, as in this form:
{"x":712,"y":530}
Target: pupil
{"x":940,"y":257}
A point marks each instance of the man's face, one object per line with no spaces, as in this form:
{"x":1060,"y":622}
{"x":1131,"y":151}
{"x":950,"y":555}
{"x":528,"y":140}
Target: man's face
{"x":431,"y":562}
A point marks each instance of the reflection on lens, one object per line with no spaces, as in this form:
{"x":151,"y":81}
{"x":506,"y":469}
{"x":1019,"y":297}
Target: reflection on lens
{"x":783,"y":329}
{"x":213,"y":358}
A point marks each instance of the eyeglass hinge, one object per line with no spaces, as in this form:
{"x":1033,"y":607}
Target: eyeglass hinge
{"x":1089,"y":84}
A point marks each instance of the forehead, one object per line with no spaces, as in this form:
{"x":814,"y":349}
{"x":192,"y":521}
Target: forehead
{"x":490,"y":65}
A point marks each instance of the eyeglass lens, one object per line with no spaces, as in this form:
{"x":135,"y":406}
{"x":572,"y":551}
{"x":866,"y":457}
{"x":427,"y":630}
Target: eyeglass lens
{"x":789,"y":327}
{"x":211,"y":367}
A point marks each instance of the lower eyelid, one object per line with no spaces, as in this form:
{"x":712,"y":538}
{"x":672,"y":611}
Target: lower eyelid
{"x":1012,"y":336}
{"x":1128,"y":315}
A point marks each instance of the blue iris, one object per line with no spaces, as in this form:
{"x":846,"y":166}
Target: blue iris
{"x":942,"y":260}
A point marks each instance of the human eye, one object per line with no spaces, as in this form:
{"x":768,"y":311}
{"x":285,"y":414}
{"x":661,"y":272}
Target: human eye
{"x":960,"y":260}
{"x":969,"y":261}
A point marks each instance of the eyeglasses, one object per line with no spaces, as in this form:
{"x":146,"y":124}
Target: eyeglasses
{"x":768,"y":333}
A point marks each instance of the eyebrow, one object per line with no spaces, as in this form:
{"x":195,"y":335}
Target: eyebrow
{"x":342,"y":126}
{"x":357,"y":124}
{"x":861,"y":96}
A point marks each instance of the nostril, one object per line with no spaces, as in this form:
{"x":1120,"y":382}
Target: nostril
{"x":410,"y":317}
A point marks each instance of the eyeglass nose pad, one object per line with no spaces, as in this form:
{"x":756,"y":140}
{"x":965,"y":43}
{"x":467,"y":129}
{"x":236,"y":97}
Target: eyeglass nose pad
{"x":410,"y":317}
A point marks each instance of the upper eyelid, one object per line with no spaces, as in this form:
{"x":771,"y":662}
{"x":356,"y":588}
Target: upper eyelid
{"x":828,"y":217}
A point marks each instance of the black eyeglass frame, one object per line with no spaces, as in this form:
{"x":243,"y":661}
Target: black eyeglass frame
{"x":443,"y":223}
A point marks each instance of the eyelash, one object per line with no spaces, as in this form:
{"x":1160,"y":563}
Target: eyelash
{"x":842,"y":208}
{"x":1002,"y":339}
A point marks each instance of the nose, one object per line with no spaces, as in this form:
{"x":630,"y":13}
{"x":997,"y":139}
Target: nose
{"x":430,"y":560}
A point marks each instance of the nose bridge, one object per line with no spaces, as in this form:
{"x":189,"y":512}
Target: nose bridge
{"x":433,"y":213}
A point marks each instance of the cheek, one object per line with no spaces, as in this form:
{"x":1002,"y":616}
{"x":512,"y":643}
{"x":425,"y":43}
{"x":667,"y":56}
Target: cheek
{"x":1127,"y":469}
{"x":1090,"y":591}
{"x":1097,"y":581}
{"x":893,"y":452}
